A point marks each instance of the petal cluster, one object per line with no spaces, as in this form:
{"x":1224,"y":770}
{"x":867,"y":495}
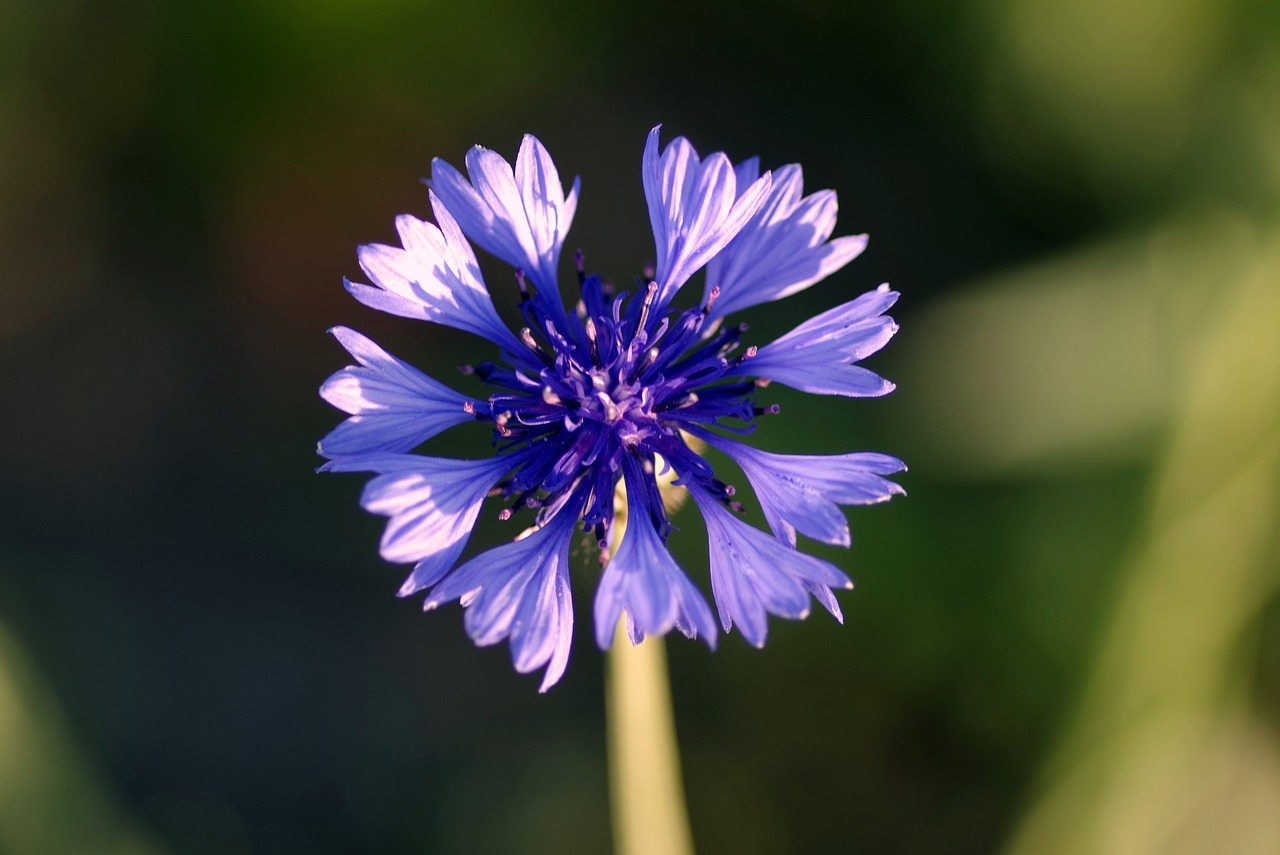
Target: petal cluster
{"x":588,"y":404}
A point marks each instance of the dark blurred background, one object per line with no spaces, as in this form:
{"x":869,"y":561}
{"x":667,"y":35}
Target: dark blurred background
{"x":1065,"y":640}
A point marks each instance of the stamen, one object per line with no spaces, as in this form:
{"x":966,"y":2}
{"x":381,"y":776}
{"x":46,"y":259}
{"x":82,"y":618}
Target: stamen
{"x":611,"y":412}
{"x":467,"y":369}
{"x":524,"y":286}
{"x":711,"y":300}
{"x":649,"y":294}
{"x":578,"y":263}
{"x":680,"y":403}
{"x":526,"y":336}
{"x":590,"y":326}
{"x":771,"y":410}
{"x":650,"y":357}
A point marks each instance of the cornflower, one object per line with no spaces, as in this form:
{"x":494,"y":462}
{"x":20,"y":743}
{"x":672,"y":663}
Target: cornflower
{"x":592,"y":404}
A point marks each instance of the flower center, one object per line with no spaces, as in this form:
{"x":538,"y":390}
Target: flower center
{"x":608,"y":380}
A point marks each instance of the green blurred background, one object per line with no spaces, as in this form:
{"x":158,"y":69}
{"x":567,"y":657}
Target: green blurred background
{"x":1065,"y":640}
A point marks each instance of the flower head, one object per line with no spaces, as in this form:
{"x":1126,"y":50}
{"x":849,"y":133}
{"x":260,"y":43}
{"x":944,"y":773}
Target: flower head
{"x":596,"y":401}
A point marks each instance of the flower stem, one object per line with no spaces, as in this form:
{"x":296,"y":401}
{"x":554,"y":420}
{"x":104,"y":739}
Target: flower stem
{"x":647,"y":797}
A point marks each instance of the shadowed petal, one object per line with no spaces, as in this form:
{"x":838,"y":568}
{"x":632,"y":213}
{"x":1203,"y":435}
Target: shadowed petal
{"x":803,"y":492}
{"x":393,"y":406}
{"x":818,"y":355}
{"x":432,"y":503}
{"x":695,"y":208}
{"x":753,"y":573}
{"x":643,"y":580}
{"x":783,"y":249}
{"x":520,"y":591}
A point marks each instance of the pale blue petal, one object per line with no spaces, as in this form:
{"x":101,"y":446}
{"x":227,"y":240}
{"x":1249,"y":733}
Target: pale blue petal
{"x":431,"y":502}
{"x":753,"y":573}
{"x":817,"y":356}
{"x":520,"y":216}
{"x":393,"y":406}
{"x":826,"y":598}
{"x":544,"y":204}
{"x":803,"y":492}
{"x":520,"y":591}
{"x":695,"y":208}
{"x":644,"y":581}
{"x":783,"y":249}
{"x":433,"y":276}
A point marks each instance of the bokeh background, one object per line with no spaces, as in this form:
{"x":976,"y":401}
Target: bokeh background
{"x":1065,"y":640}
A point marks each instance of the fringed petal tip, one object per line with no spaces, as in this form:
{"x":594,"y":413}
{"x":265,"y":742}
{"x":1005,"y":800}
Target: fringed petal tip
{"x":644,"y":582}
{"x":754,"y":575}
{"x":695,"y":208}
{"x":784,"y":248}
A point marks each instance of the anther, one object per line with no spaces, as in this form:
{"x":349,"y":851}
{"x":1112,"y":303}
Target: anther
{"x":505,"y":514}
{"x":579,"y":264}
{"x":649,"y":271}
{"x":680,"y":403}
{"x":771,"y":410}
{"x":611,"y":411}
{"x":650,"y":356}
{"x":524,"y":286}
{"x":500,"y":423}
{"x":762,"y":382}
{"x":469,"y":407}
{"x":591,"y":337}
{"x":467,"y":369}
{"x":650,"y":293}
{"x":711,"y":300}
{"x":526,"y":336}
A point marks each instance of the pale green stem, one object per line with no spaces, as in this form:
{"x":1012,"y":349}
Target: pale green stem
{"x":648,"y":810}
{"x":645,"y":792}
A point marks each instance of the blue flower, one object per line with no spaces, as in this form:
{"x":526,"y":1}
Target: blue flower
{"x":599,"y":400}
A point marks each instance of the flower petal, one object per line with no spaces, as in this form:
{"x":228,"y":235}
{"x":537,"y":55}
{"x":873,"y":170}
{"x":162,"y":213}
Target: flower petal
{"x":753,"y":573}
{"x":784,"y":247}
{"x":433,"y":276}
{"x":818,"y":355}
{"x":521,"y":215}
{"x":803,"y":492}
{"x":520,"y":591}
{"x":643,"y":580}
{"x":695,"y":208}
{"x":432,"y":504}
{"x":393,"y":406}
